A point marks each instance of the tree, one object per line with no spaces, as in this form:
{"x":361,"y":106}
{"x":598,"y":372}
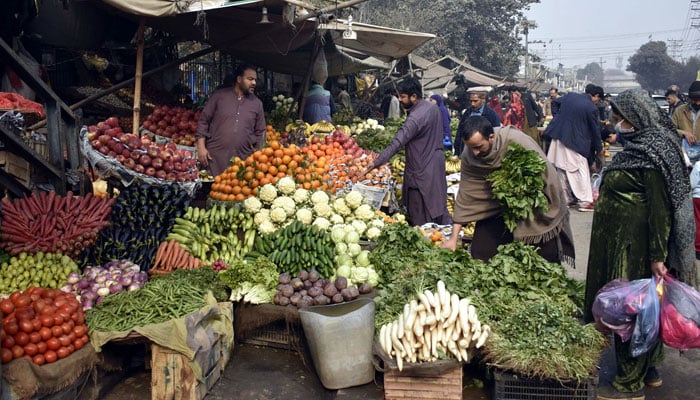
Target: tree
{"x":687,"y":73}
{"x":483,"y":32}
{"x":654,"y":68}
{"x":592,"y":72}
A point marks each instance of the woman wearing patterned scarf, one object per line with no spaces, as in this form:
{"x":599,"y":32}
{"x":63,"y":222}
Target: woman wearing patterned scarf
{"x":643,"y":224}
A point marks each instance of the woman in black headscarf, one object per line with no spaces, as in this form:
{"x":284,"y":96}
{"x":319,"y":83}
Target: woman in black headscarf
{"x":643,"y":225}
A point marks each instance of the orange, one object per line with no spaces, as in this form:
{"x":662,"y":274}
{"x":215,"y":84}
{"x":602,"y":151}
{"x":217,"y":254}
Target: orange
{"x":239,"y":197}
{"x":272,"y":170}
{"x":268,"y":151}
{"x":245,"y":190}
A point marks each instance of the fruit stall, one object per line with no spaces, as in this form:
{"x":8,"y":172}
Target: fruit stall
{"x":292,"y":230}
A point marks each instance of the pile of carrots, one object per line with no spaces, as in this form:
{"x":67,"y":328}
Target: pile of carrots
{"x":171,"y":256}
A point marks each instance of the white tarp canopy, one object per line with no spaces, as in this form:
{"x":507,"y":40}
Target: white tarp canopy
{"x":286,"y":44}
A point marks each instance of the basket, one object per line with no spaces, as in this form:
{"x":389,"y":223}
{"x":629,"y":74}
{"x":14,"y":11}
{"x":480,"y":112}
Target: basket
{"x":373,"y":195}
{"x":512,"y":386}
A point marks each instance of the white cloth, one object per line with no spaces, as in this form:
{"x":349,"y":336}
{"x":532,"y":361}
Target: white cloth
{"x":573,"y":172}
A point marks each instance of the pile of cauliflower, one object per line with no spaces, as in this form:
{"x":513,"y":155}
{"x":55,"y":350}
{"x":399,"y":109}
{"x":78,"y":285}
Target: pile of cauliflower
{"x":278,"y":205}
{"x":369,"y":124}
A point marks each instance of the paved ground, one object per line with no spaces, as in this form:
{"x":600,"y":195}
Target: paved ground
{"x":264,"y":373}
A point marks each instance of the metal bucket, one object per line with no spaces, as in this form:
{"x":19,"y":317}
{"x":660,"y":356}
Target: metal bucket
{"x":340,"y":340}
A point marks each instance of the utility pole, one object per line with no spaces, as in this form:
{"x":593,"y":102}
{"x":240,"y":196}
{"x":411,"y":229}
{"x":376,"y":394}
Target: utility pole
{"x":674,"y":46}
{"x":527,"y":24}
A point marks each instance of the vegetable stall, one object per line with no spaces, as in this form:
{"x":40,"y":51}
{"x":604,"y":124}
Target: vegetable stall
{"x":290,"y":227}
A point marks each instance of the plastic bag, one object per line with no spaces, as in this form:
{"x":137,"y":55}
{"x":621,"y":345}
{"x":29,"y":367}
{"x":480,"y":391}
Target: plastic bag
{"x":647,"y":324}
{"x":596,"y":179}
{"x":680,"y":315}
{"x":611,"y":310}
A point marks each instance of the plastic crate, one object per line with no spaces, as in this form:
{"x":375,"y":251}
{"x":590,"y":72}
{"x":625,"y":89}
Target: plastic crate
{"x":512,"y":386}
{"x":373,"y":195}
{"x":276,"y":334}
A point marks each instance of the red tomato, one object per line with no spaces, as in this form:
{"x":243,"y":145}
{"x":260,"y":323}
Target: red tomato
{"x":66,"y":328}
{"x":39,"y":359}
{"x":30,"y":349}
{"x":78,"y":344}
{"x":53,"y":344}
{"x":26,"y":325}
{"x":57,"y":330}
{"x":7,"y":307}
{"x":52,"y":293}
{"x":86,"y":339}
{"x":71,"y":336}
{"x":48,"y":310}
{"x":11,"y":327}
{"x":45,"y":333}
{"x":71,"y":348}
{"x":41,"y":347}
{"x":80,"y":330}
{"x":64,"y":340}
{"x":50,"y":356}
{"x":21,"y":338}
{"x":36,"y":323}
{"x":59,"y":301}
{"x":22,"y":301}
{"x":39,"y":305}
{"x":6,"y":355}
{"x":15,"y":295}
{"x":8,"y":342}
{"x":57,"y":319}
{"x":34,"y":337}
{"x":46,"y":320}
{"x":62,"y":352}
{"x":24,"y":313}
{"x":17,"y":351}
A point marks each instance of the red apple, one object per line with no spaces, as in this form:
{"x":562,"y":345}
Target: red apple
{"x":160,"y":174}
{"x":112,"y":121}
{"x":96,"y":144}
{"x":129,"y":163}
{"x":139,"y":168}
{"x":126,"y":153}
{"x":104,"y":139}
{"x":120,"y":158}
{"x":135,"y":155}
{"x":170,"y":176}
{"x":153,"y":151}
{"x":111,"y":153}
{"x":168,"y":166}
{"x":157,"y":163}
{"x":150,"y":171}
{"x":145,"y":160}
{"x":118,"y":148}
{"x":178,"y":166}
{"x":104,"y":150}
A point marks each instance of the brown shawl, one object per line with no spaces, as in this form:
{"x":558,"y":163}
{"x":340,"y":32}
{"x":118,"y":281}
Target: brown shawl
{"x":475,"y":199}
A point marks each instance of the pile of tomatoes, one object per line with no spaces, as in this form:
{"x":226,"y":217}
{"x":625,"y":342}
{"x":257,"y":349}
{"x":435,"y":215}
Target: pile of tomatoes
{"x":42,"y":325}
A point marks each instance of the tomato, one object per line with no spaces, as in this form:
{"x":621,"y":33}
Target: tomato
{"x":50,"y":356}
{"x":22,"y":301}
{"x":11,"y":327}
{"x":52,"y":293}
{"x":46,"y":320}
{"x":36,"y":323}
{"x":3,"y":335}
{"x":62,"y":352}
{"x":80,"y":330}
{"x":66,"y":328}
{"x":48,"y":310}
{"x":71,"y":336}
{"x":45,"y":333}
{"x":15,"y":295}
{"x":71,"y":348}
{"x":8,"y":342}
{"x":34,"y":337}
{"x":78,"y":344}
{"x":7,"y":307}
{"x":57,"y":331}
{"x":57,"y":319}
{"x":59,"y":301}
{"x":64,"y":340}
{"x":41,"y":347}
{"x":39,"y":359}
{"x":81,"y":318}
{"x":6,"y":355}
{"x":53,"y":344}
{"x":26,"y":325}
{"x":86,"y":339}
{"x":17,"y":351}
{"x":21,"y":338}
{"x":24,"y":313}
{"x":30,"y":349}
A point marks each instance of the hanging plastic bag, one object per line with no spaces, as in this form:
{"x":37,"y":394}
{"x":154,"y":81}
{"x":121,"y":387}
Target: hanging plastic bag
{"x":648,"y":322}
{"x":680,"y":315}
{"x":615,"y":307}
{"x":596,"y":179}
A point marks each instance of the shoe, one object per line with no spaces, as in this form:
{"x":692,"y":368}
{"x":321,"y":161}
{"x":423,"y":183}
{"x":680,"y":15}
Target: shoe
{"x":653,"y":379}
{"x":572,"y":204}
{"x":608,"y":392}
{"x":588,"y":207}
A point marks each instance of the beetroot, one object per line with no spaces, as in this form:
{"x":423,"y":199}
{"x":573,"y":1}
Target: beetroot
{"x":341,"y":283}
{"x":330,"y":290}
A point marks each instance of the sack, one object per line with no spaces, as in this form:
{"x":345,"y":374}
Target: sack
{"x":680,"y":315}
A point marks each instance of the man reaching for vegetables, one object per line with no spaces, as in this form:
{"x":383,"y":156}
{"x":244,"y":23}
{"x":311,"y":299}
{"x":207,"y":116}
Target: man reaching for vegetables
{"x":487,"y":151}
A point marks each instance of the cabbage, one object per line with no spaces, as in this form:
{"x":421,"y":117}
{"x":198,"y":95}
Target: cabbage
{"x":354,"y":249}
{"x":338,"y":233}
{"x":341,"y":248}
{"x":362,"y":259}
{"x":359,"y":274}
{"x":352,"y":236}
{"x":343,"y":270}
{"x":344,"y":259}
{"x":373,"y":276}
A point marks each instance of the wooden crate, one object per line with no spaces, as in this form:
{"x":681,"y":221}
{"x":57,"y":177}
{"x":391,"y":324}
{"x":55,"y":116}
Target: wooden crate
{"x":172,"y":377}
{"x":15,"y":165}
{"x":423,"y":385}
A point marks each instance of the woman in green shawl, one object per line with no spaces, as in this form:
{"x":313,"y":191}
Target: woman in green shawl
{"x":643,"y":225}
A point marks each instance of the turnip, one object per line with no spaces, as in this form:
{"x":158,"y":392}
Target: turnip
{"x":365,"y":288}
{"x":284,"y":301}
{"x":294,"y":299}
{"x":308,"y":284}
{"x":322,"y":300}
{"x":341,"y":283}
{"x":354,"y":293}
{"x":305,"y":301}
{"x":285,"y":278}
{"x":287,"y":290}
{"x":303,"y":292}
{"x":347,"y":294}
{"x":303,"y":275}
{"x":297,"y":283}
{"x":315,"y":291}
{"x":337,"y":298}
{"x":313,"y":275}
{"x":330,"y":290}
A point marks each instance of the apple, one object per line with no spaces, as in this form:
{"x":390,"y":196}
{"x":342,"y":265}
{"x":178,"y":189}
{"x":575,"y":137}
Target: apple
{"x":160,"y":174}
{"x":92,"y":128}
{"x":112,"y":121}
{"x":145,"y":160}
{"x":126,"y":153}
{"x":102,"y":125}
{"x":120,"y":158}
{"x":129,"y":163}
{"x":153,"y":151}
{"x":150,"y":171}
{"x":96,"y":144}
{"x":168,"y":166}
{"x":170,"y":176}
{"x":104,"y":150}
{"x":104,"y":139}
{"x":135,"y":155}
{"x":111,"y":153}
{"x":118,"y":148}
{"x":165,"y":154}
{"x":157,"y":163}
{"x":178,"y":166}
{"x":139,"y":168}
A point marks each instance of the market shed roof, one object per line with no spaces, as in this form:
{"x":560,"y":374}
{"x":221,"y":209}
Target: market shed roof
{"x":285,"y":45}
{"x":441,"y":75}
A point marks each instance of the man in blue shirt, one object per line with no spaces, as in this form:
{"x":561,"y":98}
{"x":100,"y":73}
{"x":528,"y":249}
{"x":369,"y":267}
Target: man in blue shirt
{"x":477,"y":106}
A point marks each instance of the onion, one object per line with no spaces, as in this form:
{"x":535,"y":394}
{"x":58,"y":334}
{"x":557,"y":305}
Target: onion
{"x":73,"y":277}
{"x":87,"y":304}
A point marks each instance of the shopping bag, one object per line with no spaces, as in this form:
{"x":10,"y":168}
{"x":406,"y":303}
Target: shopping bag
{"x":596,"y":180}
{"x":680,"y":315}
{"x":648,"y":321}
{"x":615,"y":307}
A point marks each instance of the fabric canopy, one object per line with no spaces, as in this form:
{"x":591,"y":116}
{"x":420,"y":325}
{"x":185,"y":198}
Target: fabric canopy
{"x":284,"y":45}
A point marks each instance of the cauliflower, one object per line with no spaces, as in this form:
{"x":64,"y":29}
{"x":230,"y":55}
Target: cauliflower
{"x":319,"y":197}
{"x":286,"y":203}
{"x":373,"y":233}
{"x":300,"y":196}
{"x":304,"y":215}
{"x":322,"y":223}
{"x":400,"y":217}
{"x":359,"y":226}
{"x":341,"y":207}
{"x":365,"y":212}
{"x":261,"y":216}
{"x":377,"y":223}
{"x":286,"y":185}
{"x":277,"y":214}
{"x":353,"y":199}
{"x":252,"y":205}
{"x":268,"y":193}
{"x":322,"y":209}
{"x":337,"y":219}
{"x":266,"y":227}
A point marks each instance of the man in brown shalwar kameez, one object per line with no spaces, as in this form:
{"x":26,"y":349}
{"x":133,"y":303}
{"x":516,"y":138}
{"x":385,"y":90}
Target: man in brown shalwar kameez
{"x":232,"y":123}
{"x":424,"y":191}
{"x":485,"y":148}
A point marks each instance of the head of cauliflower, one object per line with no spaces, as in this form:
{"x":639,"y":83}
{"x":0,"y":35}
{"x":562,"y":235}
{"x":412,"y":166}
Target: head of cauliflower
{"x":286,"y":185}
{"x":268,"y":193}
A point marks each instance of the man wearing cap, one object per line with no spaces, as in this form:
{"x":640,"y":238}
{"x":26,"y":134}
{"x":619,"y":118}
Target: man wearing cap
{"x":685,"y":118}
{"x":477,"y":106}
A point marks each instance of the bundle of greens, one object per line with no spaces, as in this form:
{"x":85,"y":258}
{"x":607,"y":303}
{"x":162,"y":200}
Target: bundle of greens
{"x":251,"y":282}
{"x":518,"y":185}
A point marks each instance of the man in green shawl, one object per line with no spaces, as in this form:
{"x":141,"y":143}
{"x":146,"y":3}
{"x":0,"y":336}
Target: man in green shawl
{"x":485,"y":147}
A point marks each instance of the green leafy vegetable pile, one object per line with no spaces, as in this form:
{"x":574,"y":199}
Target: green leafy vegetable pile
{"x":518,"y":185}
{"x":252,"y":282}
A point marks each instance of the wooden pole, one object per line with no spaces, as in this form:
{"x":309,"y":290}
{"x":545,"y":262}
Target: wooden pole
{"x":138,"y":76}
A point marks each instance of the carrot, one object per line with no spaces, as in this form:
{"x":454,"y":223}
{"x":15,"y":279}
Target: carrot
{"x":171,"y":255}
{"x":159,"y":254}
{"x":50,"y":198}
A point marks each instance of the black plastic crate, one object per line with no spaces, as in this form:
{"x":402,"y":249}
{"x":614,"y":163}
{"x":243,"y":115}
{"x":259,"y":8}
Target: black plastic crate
{"x":511,"y":386}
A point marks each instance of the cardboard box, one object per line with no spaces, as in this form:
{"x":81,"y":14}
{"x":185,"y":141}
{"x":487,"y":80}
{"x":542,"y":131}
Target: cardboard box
{"x":444,"y":385}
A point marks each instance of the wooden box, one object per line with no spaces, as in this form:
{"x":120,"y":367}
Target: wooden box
{"x":172,"y":377}
{"x":16,"y":166}
{"x":423,"y":384}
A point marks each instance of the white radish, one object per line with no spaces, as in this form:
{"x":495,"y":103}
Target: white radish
{"x":452,"y":347}
{"x":454,"y":311}
{"x":435,"y":302}
{"x":382,"y":332}
{"x":484,"y":335}
{"x":464,"y":314}
{"x":399,"y":329}
{"x":425,"y":302}
{"x":457,"y":331}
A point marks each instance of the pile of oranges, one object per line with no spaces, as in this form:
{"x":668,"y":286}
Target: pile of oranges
{"x":242,"y":179}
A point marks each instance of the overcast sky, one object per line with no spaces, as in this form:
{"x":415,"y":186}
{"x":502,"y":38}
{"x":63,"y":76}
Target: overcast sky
{"x":588,"y":31}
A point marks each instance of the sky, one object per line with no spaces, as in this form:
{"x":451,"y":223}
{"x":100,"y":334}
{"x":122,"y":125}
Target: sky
{"x":577,"y":32}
